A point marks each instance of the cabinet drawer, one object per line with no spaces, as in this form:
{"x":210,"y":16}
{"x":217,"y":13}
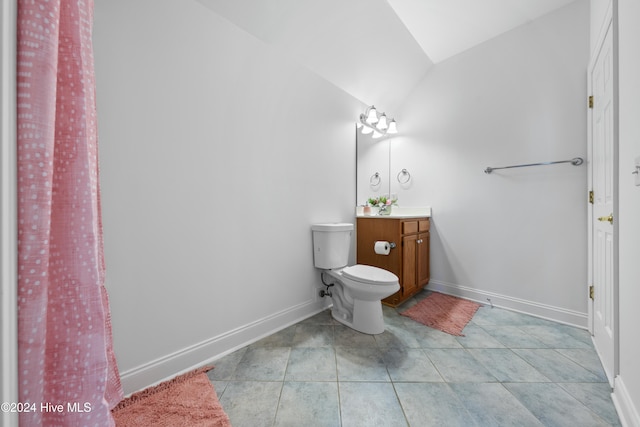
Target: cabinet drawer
{"x":409,"y":227}
{"x":423,"y":225}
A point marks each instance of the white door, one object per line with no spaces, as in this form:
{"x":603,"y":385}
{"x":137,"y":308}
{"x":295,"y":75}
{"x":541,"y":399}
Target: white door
{"x":603,"y":310}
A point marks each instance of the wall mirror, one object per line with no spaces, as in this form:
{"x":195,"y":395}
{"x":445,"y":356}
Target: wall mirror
{"x":383,"y":167}
{"x":372,"y":167}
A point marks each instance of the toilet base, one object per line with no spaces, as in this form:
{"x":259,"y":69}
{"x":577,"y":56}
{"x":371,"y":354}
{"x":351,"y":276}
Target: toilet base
{"x":367,"y":317}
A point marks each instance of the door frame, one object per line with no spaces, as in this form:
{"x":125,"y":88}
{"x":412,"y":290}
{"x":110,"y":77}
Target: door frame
{"x":609,"y":24}
{"x":8,"y":212}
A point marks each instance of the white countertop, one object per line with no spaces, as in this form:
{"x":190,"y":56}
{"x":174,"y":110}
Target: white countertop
{"x":399,"y":212}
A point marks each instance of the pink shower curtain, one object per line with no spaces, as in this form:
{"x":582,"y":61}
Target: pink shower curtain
{"x":67,"y":370}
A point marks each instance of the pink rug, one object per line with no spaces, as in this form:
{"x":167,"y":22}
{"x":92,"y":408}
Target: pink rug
{"x":188,"y":400}
{"x":444,"y":312}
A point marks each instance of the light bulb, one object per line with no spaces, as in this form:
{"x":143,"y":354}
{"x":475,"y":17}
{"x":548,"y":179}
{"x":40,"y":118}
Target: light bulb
{"x":392,"y":127}
{"x":366,"y":130}
{"x":372,"y":116}
{"x":382,"y":123}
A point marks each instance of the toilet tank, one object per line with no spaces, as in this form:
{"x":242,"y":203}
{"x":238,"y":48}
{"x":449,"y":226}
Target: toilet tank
{"x":331,"y":244}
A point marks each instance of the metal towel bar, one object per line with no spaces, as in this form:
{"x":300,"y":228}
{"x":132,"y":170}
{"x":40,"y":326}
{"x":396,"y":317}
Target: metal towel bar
{"x":576,"y":161}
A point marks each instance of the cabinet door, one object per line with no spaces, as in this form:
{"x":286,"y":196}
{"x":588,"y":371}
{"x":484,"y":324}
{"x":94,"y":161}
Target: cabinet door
{"x":371,"y":230}
{"x":422,"y":259}
{"x":409,"y":271}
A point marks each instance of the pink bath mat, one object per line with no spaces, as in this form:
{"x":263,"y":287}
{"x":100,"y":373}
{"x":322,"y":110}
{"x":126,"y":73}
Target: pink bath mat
{"x":444,"y":312}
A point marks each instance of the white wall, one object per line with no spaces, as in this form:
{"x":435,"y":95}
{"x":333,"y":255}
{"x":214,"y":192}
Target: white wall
{"x":216,"y":156}
{"x":627,"y":384}
{"x":516,"y":236}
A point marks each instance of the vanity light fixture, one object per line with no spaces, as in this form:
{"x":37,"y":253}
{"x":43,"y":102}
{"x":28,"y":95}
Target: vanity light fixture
{"x":370,"y":121}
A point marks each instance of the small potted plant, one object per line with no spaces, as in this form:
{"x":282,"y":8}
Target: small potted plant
{"x":383,"y":203}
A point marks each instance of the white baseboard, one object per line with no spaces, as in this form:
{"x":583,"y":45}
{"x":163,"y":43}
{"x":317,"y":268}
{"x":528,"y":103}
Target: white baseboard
{"x":207,"y":351}
{"x":545,"y":311}
{"x":627,"y":412}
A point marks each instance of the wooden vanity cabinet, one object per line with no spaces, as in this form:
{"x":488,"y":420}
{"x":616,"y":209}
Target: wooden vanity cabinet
{"x":409,"y":260}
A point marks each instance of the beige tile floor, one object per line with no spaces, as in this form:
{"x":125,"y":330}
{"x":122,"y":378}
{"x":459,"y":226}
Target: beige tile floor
{"x":509,"y":370}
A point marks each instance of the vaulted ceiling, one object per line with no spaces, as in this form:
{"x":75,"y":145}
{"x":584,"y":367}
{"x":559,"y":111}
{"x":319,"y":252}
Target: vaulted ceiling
{"x":444,"y":28}
{"x":377,"y":50}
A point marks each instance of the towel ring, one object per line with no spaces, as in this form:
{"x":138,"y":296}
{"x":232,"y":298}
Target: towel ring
{"x":375,"y":179}
{"x":406,"y":173}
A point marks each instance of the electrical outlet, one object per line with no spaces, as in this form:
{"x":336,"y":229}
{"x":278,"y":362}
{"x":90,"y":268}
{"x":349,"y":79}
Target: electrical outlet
{"x":636,"y":173}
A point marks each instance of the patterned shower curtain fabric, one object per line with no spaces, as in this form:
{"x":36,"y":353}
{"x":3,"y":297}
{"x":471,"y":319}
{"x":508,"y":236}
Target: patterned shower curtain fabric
{"x":67,"y":369}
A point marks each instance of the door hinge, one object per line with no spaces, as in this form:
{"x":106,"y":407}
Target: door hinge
{"x":591,"y":196}
{"x":591,"y":291}
{"x":590,"y":101}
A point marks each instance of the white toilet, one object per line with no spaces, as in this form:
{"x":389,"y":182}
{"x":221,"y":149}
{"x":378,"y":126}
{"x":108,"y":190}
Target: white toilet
{"x":356,"y":291}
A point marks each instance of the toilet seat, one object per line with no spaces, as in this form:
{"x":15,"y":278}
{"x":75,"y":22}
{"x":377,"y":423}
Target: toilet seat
{"x":369,"y":275}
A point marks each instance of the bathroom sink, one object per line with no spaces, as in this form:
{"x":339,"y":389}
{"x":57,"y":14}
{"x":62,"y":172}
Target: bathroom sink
{"x":400,"y":212}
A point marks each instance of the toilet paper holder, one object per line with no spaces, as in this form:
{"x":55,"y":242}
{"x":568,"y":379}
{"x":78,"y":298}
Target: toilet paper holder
{"x":383,"y":247}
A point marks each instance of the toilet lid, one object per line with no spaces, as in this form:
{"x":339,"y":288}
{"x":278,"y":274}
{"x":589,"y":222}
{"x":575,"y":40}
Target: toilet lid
{"x":369,"y":274}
